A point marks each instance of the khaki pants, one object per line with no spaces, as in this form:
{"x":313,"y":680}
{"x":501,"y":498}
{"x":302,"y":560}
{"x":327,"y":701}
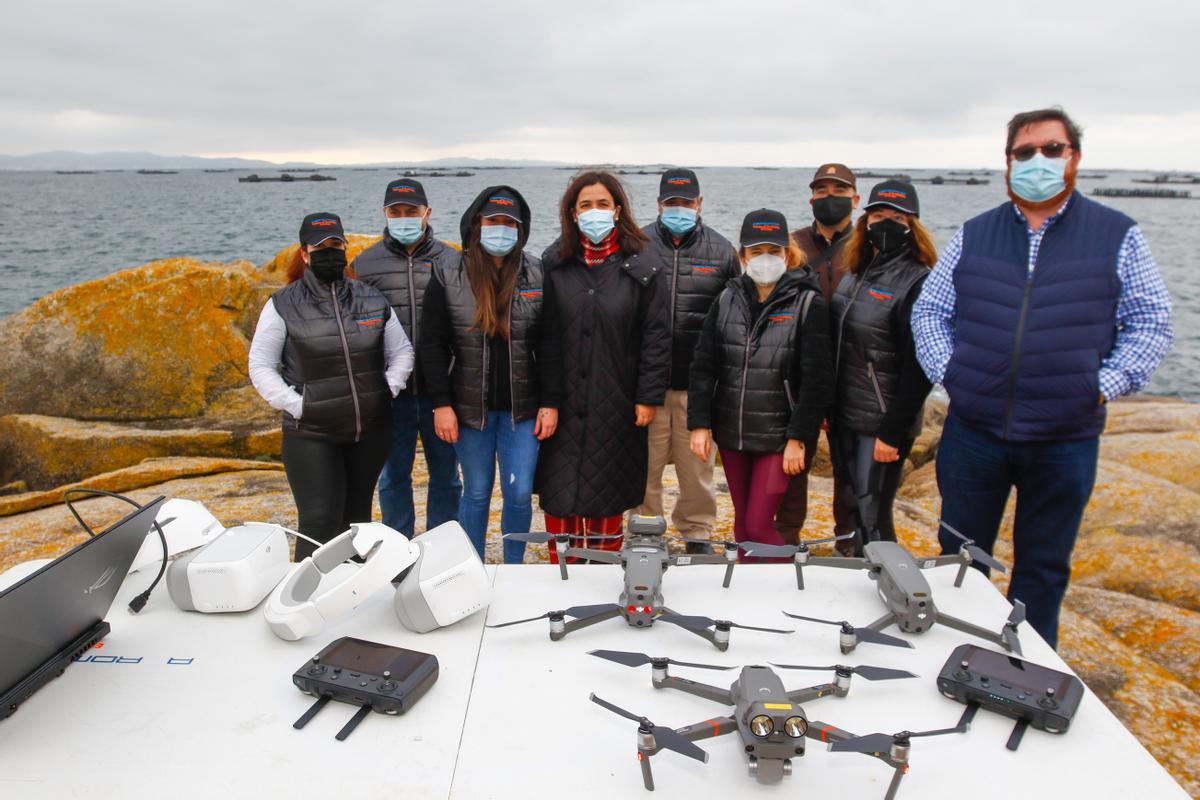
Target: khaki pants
{"x":670,"y":442}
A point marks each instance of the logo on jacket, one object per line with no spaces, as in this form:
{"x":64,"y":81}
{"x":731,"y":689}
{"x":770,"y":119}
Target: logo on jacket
{"x":370,"y":319}
{"x":705,"y":269}
{"x":531,"y":293}
{"x":881,"y":294}
{"x":501,"y":201}
{"x":775,"y":319}
{"x":323,"y":222}
{"x":765,"y":226}
{"x":894,"y":194}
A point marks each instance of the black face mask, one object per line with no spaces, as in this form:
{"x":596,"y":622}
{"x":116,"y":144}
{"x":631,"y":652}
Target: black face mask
{"x":831,"y":209}
{"x":888,"y":235}
{"x":328,"y":264}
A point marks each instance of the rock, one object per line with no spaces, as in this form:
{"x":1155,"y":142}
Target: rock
{"x":148,"y":473}
{"x":1131,"y":501}
{"x":1151,"y":415}
{"x":49,"y":451}
{"x":157,"y":341}
{"x":1172,"y":456}
{"x":276,"y":269}
{"x":1167,"y":635}
{"x":1146,"y":566}
{"x":15,"y":487}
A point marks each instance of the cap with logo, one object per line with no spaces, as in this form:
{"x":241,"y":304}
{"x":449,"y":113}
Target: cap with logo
{"x":834,"y":172}
{"x":318,"y":227}
{"x":405,"y":190}
{"x":679,"y":183}
{"x":899,"y":195}
{"x":764,"y":226}
{"x":501,"y":203}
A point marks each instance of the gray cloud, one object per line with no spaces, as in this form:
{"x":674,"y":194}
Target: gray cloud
{"x":921,"y":83}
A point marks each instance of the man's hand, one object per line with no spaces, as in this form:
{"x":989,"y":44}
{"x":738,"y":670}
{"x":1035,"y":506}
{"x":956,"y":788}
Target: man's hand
{"x":702,"y":443}
{"x":885,"y":453}
{"x":793,"y":457}
{"x":547,"y":423}
{"x":445,"y":424}
{"x":645,"y":414}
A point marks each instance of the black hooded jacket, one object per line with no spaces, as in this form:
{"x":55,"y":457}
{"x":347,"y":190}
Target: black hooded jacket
{"x":466,"y":369}
{"x":763,"y":372}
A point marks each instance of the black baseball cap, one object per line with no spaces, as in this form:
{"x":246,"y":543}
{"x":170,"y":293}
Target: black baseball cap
{"x":834,"y":172}
{"x":900,"y":195}
{"x":320,"y":226}
{"x":501,"y":203}
{"x":405,"y":190}
{"x":679,"y":183}
{"x":764,"y":227}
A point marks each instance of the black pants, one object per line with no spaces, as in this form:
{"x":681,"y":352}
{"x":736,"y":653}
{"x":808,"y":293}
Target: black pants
{"x":867,"y":487}
{"x":333,"y":483}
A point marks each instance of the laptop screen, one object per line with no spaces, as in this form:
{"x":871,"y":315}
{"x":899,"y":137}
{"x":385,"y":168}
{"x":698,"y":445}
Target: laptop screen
{"x":46,"y":611}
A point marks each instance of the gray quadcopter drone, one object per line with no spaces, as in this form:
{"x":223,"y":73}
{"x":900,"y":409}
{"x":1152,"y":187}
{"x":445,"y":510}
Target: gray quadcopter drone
{"x":768,"y":718}
{"x":902,"y":587}
{"x":644,"y":558}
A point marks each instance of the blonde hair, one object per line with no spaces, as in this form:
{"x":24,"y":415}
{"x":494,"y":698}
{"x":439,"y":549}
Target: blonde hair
{"x":858,"y":251}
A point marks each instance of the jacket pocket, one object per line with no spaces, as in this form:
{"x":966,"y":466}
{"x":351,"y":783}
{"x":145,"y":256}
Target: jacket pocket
{"x":875,"y":385}
{"x":787,"y":390}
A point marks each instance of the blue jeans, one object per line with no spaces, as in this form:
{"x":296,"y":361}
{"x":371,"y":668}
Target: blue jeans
{"x":976,"y":471}
{"x":410,"y":416}
{"x":517,"y":449}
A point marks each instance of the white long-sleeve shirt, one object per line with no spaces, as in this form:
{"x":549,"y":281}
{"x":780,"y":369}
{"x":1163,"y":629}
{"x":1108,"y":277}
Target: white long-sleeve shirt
{"x":266,"y":353}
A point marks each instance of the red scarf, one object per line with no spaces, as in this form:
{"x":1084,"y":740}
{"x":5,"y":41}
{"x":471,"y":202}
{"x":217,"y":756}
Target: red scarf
{"x":596,"y":254}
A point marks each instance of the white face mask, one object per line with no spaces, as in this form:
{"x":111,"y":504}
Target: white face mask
{"x":766,"y":269}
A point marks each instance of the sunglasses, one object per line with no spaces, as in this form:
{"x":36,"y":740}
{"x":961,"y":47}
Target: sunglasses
{"x":1051,"y":150}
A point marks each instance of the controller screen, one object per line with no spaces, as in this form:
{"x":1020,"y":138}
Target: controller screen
{"x":356,"y":655}
{"x":1020,"y":673}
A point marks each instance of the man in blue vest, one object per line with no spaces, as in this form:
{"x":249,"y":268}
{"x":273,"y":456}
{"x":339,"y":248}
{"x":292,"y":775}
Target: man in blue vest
{"x":1038,"y":313}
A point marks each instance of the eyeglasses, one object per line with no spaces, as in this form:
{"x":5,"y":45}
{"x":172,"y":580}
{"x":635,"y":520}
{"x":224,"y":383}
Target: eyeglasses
{"x":1051,"y":150}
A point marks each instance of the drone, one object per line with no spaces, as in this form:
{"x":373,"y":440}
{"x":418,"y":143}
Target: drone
{"x":644,"y":558}
{"x":769,"y":719}
{"x":904,"y":590}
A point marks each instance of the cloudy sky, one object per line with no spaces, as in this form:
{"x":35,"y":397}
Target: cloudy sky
{"x":922,"y":83}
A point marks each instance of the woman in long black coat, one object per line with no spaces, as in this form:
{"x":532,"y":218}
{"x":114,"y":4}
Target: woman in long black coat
{"x":605,"y":320}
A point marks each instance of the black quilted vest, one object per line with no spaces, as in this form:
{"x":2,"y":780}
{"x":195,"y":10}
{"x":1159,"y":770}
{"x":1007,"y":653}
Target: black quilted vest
{"x":753,"y":398}
{"x":469,"y":368}
{"x":868,"y":341}
{"x":333,"y":356}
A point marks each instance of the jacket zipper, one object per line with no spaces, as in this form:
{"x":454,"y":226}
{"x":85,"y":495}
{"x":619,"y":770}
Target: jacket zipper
{"x":671,"y":319}
{"x":512,"y":384}
{"x":745,"y":373}
{"x":337,"y":312}
{"x":1016,"y":362}
{"x":412,"y":315}
{"x":483,"y":381}
{"x":837,"y":357}
{"x":875,"y":384}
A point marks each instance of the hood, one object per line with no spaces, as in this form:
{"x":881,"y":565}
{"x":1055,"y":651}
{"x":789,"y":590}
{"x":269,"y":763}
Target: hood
{"x":468,"y":217}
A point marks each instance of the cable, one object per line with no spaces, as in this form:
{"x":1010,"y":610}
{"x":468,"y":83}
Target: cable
{"x":139,"y":602}
{"x":300,"y":535}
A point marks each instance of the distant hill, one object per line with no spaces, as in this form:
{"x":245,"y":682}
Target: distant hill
{"x":72,"y":160}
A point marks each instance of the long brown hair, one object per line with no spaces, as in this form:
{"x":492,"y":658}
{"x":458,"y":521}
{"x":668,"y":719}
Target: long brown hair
{"x":859,"y":251}
{"x":629,"y":235}
{"x":493,"y":287}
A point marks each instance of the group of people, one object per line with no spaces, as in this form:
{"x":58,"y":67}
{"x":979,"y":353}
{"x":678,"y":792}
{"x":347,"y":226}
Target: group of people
{"x":621,"y":349}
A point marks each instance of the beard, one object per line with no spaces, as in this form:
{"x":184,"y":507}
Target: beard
{"x":1052,"y":202}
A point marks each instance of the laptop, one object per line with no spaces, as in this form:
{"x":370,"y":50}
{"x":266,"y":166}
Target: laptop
{"x":52,"y":616}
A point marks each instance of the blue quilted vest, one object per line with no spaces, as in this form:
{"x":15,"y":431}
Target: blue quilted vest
{"x":1028,"y":347}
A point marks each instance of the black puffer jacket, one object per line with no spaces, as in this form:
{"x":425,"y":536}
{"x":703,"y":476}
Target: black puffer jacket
{"x":697,"y":270}
{"x":453,"y":344}
{"x":608,"y":324}
{"x":762,"y":373}
{"x":402,"y":277}
{"x":334,"y":357}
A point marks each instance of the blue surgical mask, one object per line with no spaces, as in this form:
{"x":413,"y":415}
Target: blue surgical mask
{"x":406,"y":230}
{"x":1038,"y":179}
{"x":596,"y":224}
{"x":498,"y":240}
{"x":679,"y":220}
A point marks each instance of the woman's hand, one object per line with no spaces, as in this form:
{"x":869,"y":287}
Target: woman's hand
{"x":645,"y":414}
{"x":702,"y":443}
{"x":793,"y":457}
{"x":445,"y":424}
{"x":885,"y":453}
{"x":547,"y":423}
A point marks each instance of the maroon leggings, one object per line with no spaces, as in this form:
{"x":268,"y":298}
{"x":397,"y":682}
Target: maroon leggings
{"x":757,"y":484}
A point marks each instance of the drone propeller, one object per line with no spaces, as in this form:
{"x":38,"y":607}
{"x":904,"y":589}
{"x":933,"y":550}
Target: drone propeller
{"x":1008,"y":635}
{"x":578,"y":612}
{"x":977,"y":552}
{"x":695,"y":623}
{"x":787,"y":550}
{"x":868,"y":672}
{"x":862,"y":634}
{"x":665,"y":737}
{"x":641,"y":659}
{"x":880,"y":744}
{"x":539,"y":537}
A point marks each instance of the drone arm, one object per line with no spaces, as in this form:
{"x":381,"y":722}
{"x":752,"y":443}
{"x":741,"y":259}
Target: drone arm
{"x":824,"y":732}
{"x":584,"y":622}
{"x":883,"y":622}
{"x":939,"y":561}
{"x":684,"y":560}
{"x":801,"y":696}
{"x":603,"y":556}
{"x":708,"y":729}
{"x":840,"y":562}
{"x":714,"y":693}
{"x":970,"y":628}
